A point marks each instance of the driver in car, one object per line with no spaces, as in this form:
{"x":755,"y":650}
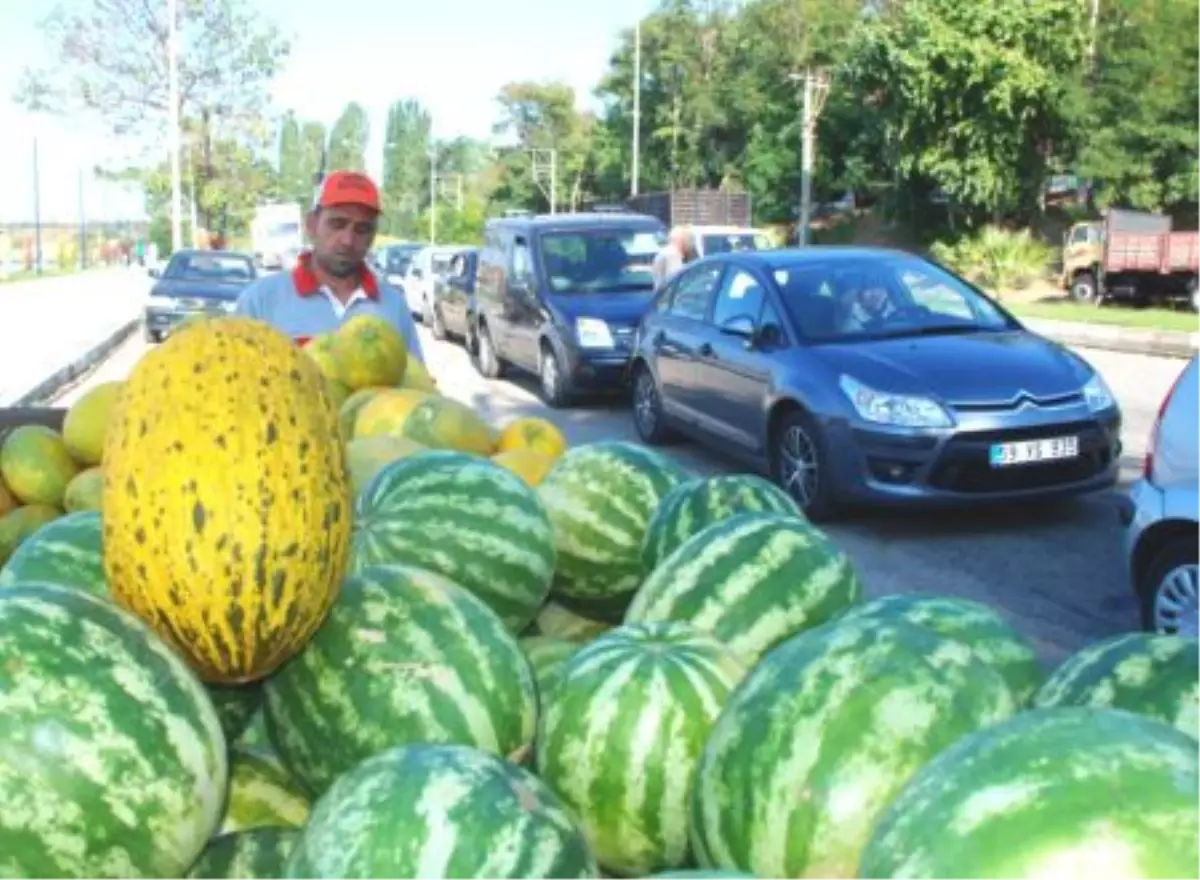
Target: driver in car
{"x":868,"y":309}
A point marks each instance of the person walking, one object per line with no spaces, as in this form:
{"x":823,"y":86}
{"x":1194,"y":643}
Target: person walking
{"x":332,"y":281}
{"x":675,"y":254}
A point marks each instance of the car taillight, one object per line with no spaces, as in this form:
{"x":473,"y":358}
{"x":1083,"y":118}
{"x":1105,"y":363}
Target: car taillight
{"x":1148,"y":461}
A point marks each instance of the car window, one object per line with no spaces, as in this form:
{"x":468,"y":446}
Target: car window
{"x":520,"y":263}
{"x":937,"y":295}
{"x":612,"y":259}
{"x":210,"y":267}
{"x":770,"y":326}
{"x":694,"y":291}
{"x":740,"y":295}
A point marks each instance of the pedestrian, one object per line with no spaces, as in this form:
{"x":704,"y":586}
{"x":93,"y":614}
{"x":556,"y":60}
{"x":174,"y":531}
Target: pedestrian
{"x":331,"y":281}
{"x":675,"y":254}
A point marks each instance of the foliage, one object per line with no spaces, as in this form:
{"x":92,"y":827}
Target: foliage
{"x":998,"y":259}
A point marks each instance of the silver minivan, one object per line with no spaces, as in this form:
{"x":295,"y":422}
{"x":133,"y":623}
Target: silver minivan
{"x":1161,"y":515}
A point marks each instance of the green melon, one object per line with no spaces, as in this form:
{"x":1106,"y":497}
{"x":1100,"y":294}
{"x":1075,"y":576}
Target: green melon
{"x":557,"y":621}
{"x":823,"y":733}
{"x":1151,"y":674}
{"x":620,"y":735}
{"x":600,"y":498}
{"x":36,"y":465}
{"x":17,"y":525}
{"x":113,"y":764}
{"x":262,"y":794}
{"x":85,"y":491}
{"x":68,"y":551}
{"x":350,"y":408}
{"x":1063,"y":792}
{"x":693,"y":506}
{"x":463,"y":517}
{"x":254,"y":854}
{"x":236,"y":704}
{"x":405,"y":656}
{"x":752,"y":580}
{"x":440,"y":811}
{"x":976,"y":625}
{"x":547,"y":657}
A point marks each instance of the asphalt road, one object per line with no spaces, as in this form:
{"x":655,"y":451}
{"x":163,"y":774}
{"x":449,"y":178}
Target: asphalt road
{"x":1055,"y":570}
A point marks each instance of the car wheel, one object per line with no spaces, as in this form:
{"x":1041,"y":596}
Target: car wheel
{"x":433,"y":320}
{"x":486,"y":360}
{"x":1170,"y":589}
{"x":554,"y":385}
{"x":1083,"y":288}
{"x":800,"y":466}
{"x":151,"y":336}
{"x":648,"y":416}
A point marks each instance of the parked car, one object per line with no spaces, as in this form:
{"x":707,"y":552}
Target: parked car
{"x":393,"y":261}
{"x":710,"y":240}
{"x":195,"y":282}
{"x":1161,"y":515}
{"x":863,"y":375}
{"x":561,"y":295}
{"x":423,"y":269}
{"x":452,"y":307}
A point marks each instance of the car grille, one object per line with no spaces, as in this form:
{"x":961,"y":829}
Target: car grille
{"x":964,"y":464}
{"x":622,"y":338}
{"x":1061,"y":400}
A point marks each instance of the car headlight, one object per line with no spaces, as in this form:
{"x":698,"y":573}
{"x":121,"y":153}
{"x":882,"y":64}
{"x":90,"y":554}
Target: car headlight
{"x":1097,"y":394}
{"x":902,"y":410}
{"x":593,"y":333}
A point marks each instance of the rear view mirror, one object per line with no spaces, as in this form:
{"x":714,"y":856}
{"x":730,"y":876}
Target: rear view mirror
{"x":740,"y":325}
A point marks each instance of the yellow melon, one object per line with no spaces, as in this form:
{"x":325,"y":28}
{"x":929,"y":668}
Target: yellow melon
{"x":85,"y":491}
{"x":21,"y":522}
{"x":87,"y":421}
{"x":8,"y":501}
{"x":368,"y":455}
{"x":36,"y":465}
{"x":534,"y":434}
{"x":530,"y":466}
{"x":417,"y":377}
{"x":386,"y":412}
{"x":367,"y":351}
{"x":320,"y":349}
{"x":442,"y":423}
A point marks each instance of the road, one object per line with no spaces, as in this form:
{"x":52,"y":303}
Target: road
{"x":46,"y":323}
{"x":1054,"y":569}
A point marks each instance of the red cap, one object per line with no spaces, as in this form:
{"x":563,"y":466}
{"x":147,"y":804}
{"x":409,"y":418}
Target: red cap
{"x":348,"y":188}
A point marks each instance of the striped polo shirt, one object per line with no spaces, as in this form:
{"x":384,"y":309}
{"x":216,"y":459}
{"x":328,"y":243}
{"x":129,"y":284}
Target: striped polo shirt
{"x":298,"y":304}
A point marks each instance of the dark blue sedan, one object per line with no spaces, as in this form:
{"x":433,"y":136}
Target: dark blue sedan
{"x":195,"y":282}
{"x":869,"y":376}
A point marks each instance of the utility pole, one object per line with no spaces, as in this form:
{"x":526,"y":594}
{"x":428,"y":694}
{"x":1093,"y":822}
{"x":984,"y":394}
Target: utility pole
{"x":637,"y":105}
{"x":173,"y":123}
{"x":816,"y":90}
{"x":546,"y":161}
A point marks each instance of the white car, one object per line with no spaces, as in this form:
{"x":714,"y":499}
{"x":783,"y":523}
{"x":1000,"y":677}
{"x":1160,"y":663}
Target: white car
{"x":427,"y":263}
{"x":722,"y":239}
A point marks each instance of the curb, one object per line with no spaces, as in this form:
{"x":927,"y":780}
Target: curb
{"x":91,"y":358}
{"x":1155,"y":343}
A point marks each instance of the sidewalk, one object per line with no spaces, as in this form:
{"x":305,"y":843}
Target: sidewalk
{"x":1130,"y":340}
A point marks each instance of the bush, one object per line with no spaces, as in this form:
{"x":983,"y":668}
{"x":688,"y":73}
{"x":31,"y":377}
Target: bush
{"x":996,"y":258}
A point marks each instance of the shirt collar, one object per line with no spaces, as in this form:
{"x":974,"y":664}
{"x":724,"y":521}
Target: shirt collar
{"x":307,"y":283}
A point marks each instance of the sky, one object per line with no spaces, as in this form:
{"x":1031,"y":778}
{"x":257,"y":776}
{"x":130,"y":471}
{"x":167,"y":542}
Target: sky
{"x":452,"y":55}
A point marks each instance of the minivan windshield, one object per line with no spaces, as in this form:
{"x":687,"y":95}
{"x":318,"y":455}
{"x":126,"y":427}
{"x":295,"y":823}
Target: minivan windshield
{"x":610,"y":259}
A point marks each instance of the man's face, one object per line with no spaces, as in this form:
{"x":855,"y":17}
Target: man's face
{"x":874,"y":299}
{"x":341,"y":236}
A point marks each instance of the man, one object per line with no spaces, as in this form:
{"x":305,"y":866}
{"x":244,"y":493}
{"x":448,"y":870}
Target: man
{"x":332,"y":283}
{"x":868,"y":310}
{"x":677,"y":253}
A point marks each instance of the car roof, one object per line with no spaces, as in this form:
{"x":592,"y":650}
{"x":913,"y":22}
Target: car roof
{"x":780,"y":258}
{"x":191,"y":252}
{"x":578,"y":220}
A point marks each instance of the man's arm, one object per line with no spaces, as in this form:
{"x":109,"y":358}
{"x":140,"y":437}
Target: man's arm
{"x":408,"y":328}
{"x":249,"y":301}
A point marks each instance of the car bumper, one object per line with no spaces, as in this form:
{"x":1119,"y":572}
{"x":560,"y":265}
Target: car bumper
{"x":606,"y":370}
{"x":163,"y":320}
{"x":880,"y":466}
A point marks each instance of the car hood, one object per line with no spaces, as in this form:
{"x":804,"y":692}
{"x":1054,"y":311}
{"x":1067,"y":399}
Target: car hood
{"x":185,"y":288}
{"x":978,"y":368}
{"x":621,"y":309}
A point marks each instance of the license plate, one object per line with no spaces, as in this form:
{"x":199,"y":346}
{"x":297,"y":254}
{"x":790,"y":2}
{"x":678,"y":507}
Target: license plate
{"x":1033,"y":451}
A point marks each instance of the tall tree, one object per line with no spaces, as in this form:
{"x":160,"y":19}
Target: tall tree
{"x":313,"y":144}
{"x":405,"y":167}
{"x":348,"y":139}
{"x":295,"y":177}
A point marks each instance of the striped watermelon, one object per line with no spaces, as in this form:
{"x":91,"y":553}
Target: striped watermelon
{"x":113,"y":761}
{"x":235,"y":705}
{"x":65,"y":552}
{"x":692,"y":506}
{"x":600,"y":498}
{"x":257,"y":854}
{"x":1064,"y":792}
{"x":440,"y":811}
{"x":463,"y":517}
{"x":405,"y":656}
{"x":974,"y":624}
{"x":559,"y":622}
{"x":1151,"y":674}
{"x":262,"y":794}
{"x":823,"y":733}
{"x":547,"y":657}
{"x":621,"y":734}
{"x":752,"y":580}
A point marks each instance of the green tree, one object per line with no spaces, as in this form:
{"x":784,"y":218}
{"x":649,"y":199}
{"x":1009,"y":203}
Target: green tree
{"x":295,"y":174}
{"x":405,"y":167}
{"x":348,"y":140}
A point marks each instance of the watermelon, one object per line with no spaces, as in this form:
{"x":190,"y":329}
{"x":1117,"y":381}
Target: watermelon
{"x":256,"y":737}
{"x":600,"y":498}
{"x":463,"y":517}
{"x":692,"y":506}
{"x":547,"y":656}
{"x":235,"y":705}
{"x":974,"y":624}
{"x":1147,"y":673}
{"x":440,"y":811}
{"x":18,"y":524}
{"x":823,"y":733}
{"x":67,"y":552}
{"x":620,"y":736}
{"x":752,"y":580}
{"x":1061,"y":792}
{"x":113,"y":763}
{"x":253,"y":853}
{"x":559,"y":622}
{"x":262,"y":794}
{"x":406,"y":656}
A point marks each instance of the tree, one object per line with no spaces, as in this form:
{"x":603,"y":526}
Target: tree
{"x":109,"y":59}
{"x":348,"y":140}
{"x":295,"y":177}
{"x":405,"y":167}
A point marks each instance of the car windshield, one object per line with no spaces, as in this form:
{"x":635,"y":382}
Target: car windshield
{"x":724,"y":242}
{"x":220,"y":268}
{"x":606,"y":259}
{"x":845,"y":300}
{"x":397,"y":260}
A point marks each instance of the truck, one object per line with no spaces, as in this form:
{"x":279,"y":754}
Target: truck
{"x":1133,"y":256}
{"x":277,"y":235}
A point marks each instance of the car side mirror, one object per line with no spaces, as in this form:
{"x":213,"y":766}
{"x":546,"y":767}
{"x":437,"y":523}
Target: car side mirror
{"x":741,"y":326}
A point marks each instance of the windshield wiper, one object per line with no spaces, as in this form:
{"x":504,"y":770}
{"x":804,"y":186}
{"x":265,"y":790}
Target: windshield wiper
{"x":935,"y":330}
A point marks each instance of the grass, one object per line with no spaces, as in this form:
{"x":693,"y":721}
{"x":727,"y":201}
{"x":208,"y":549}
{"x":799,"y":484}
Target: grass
{"x":1118,"y":315}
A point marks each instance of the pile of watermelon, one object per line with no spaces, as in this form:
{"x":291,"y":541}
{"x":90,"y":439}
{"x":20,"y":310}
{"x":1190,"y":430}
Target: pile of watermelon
{"x":601,"y":666}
